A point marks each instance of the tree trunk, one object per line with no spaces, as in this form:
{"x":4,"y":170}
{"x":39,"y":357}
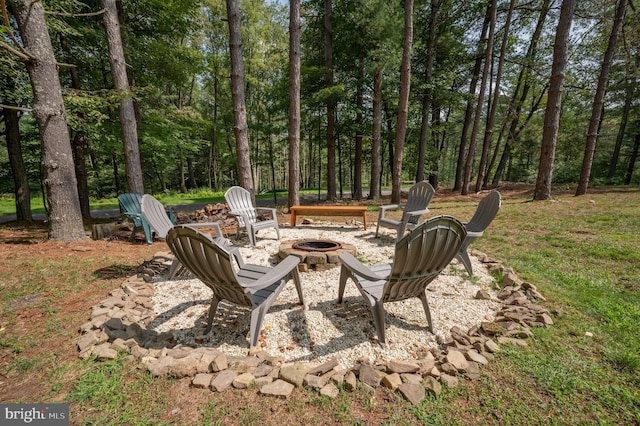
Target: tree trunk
{"x":620,"y":137}
{"x":331,"y":104}
{"x":515,"y":106}
{"x":357,"y":161}
{"x":240,"y":128}
{"x":19,"y":172}
{"x":403,"y":102}
{"x":598,"y":101}
{"x":632,"y":160}
{"x":129,"y":126}
{"x":542,"y":190}
{"x":376,"y":133}
{"x":475,"y":76}
{"x":48,"y":109}
{"x":426,"y":99}
{"x":488,"y":131}
{"x":294,"y":103}
{"x":483,"y":84}
{"x":79,"y":141}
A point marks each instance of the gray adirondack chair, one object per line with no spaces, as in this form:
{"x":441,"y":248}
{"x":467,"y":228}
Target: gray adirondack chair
{"x":241,"y":206}
{"x":419,"y":258}
{"x":484,"y":215}
{"x":420,"y":195}
{"x":155,"y":214}
{"x":130,"y":206}
{"x":249,"y":285}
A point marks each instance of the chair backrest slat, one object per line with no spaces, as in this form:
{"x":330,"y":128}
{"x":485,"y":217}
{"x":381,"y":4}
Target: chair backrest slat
{"x":209,"y":262}
{"x":239,"y":200}
{"x":421,"y":255}
{"x":420,"y":195}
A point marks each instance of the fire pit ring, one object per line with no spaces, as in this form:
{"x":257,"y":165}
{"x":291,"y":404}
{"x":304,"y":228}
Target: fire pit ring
{"x":317,"y":257}
{"x":317,"y":245}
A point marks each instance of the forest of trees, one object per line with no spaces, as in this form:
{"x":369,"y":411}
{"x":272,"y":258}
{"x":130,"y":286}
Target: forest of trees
{"x":171,"y":96}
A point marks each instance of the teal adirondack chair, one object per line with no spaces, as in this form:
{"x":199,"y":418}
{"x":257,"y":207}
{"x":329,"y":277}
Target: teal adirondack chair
{"x":130,"y":206}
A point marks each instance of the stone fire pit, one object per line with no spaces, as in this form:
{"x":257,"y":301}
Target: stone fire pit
{"x":315,"y":255}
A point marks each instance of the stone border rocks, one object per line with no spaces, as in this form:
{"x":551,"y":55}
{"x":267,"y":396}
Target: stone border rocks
{"x":118,"y":325}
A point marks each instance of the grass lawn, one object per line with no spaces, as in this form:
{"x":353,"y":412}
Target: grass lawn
{"x":583,"y":254}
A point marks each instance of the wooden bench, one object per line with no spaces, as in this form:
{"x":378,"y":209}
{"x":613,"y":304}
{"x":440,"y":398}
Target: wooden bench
{"x":329,"y":211}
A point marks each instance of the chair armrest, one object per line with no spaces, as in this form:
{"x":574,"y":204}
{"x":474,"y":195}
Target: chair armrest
{"x":475,"y":234}
{"x":390,"y":207}
{"x":269,"y":209}
{"x":416,"y":212}
{"x":280,"y":271}
{"x":214,"y":225}
{"x":357,"y":268}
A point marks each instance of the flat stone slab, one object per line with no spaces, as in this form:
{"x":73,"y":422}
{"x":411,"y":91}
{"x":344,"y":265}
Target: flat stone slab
{"x":279,"y":388}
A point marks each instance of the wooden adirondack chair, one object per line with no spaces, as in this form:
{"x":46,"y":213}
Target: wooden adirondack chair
{"x":241,"y":206}
{"x":155,"y":214}
{"x":420,"y":195}
{"x":484,"y":215}
{"x":130,"y":206}
{"x":248,"y":285}
{"x":419,"y":258}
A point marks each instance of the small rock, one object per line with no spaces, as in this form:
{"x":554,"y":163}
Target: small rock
{"x":350,"y":383}
{"x":474,"y":356}
{"x":457,"y":359}
{"x":279,"y":388}
{"x":413,"y":393}
{"x":588,"y":334}
{"x":330,"y":390}
{"x":293,"y":373}
{"x":432,"y":386}
{"x":369,"y":375}
{"x":450,"y":381}
{"x":243,"y":381}
{"x":392,"y":381}
{"x":202,"y":380}
{"x":223,"y":380}
{"x":483,"y":295}
{"x":403,"y":367}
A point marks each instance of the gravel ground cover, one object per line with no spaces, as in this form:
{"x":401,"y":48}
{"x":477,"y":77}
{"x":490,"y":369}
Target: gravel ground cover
{"x":324,"y":329}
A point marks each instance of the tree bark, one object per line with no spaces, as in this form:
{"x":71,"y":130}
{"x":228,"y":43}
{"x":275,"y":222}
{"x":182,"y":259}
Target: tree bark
{"x":19,"y":172}
{"x":426,"y":99}
{"x":48,"y":109}
{"x":488,"y":132}
{"x":79,"y":141}
{"x":475,"y":76}
{"x":240,"y":128}
{"x":294,"y":103}
{"x":129,"y":126}
{"x":632,"y":160}
{"x":376,"y":136}
{"x":403,"y":102}
{"x":356,"y":193}
{"x":598,"y":101}
{"x":512,"y":118}
{"x":331,"y":104}
{"x":542,"y":190}
{"x":620,"y":137}
{"x":483,"y":84}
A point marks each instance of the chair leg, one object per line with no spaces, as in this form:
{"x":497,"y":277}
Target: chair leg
{"x":463,"y":257}
{"x":278,"y":232}
{"x":257,"y":315}
{"x":427,"y":311}
{"x":344,"y":276}
{"x":378,"y":223}
{"x":148,"y":233}
{"x":378,"y":320}
{"x":296,"y":280}
{"x":212,"y":311}
{"x":173,"y":269}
